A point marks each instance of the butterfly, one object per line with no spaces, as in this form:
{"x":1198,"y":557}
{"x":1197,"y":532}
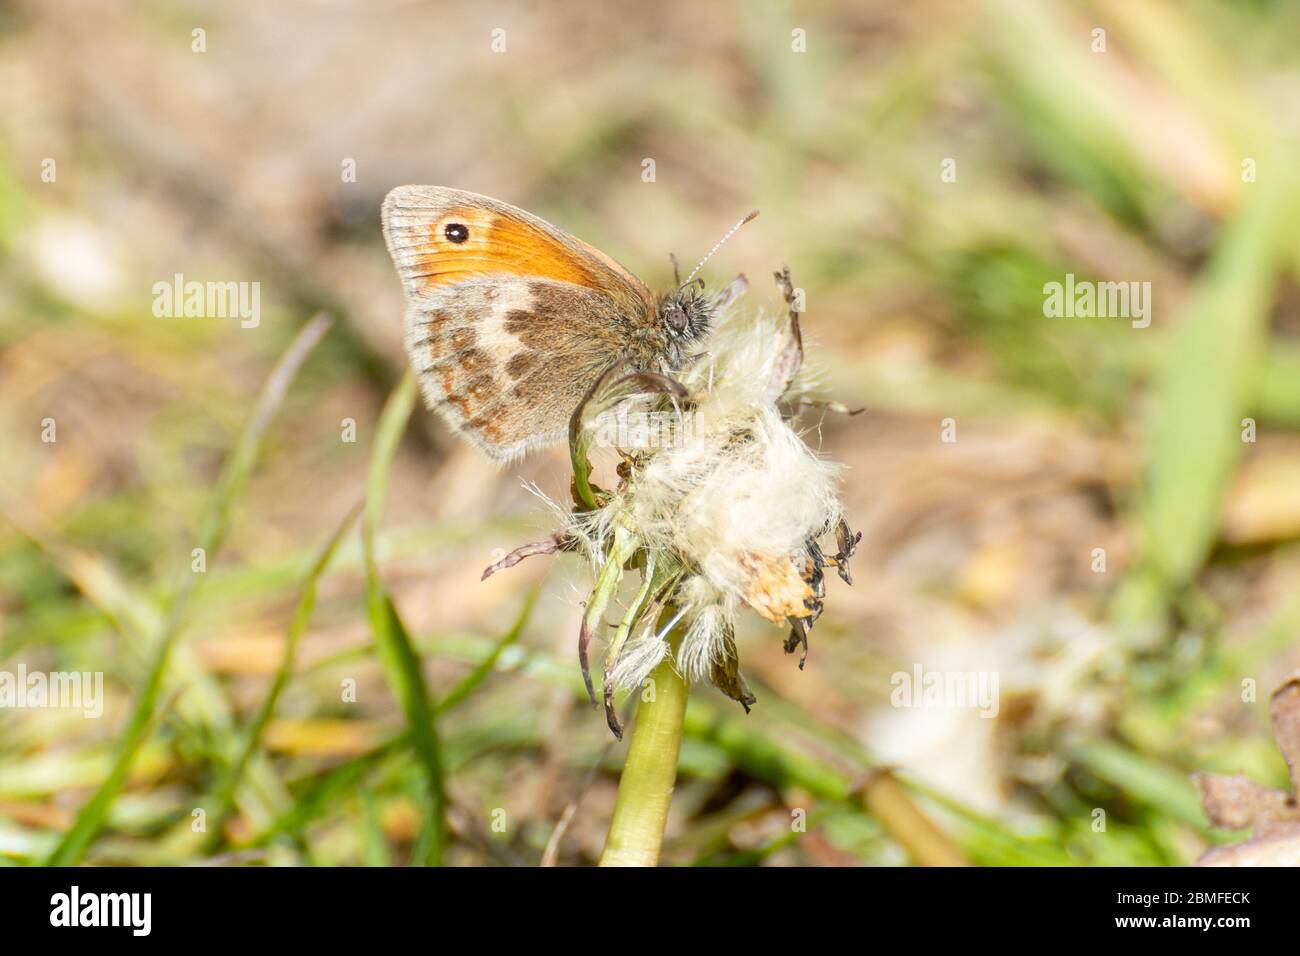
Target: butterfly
{"x":510,"y":321}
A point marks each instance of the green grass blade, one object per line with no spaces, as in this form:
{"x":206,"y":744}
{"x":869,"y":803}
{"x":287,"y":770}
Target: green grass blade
{"x":225,"y":793}
{"x":1207,"y":384}
{"x":348,"y":775}
{"x":1144,"y":779}
{"x":233,"y":478}
{"x":392,"y":641}
{"x":470,"y":682}
{"x":334,"y":785}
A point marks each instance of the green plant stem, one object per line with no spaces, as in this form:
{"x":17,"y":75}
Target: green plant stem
{"x":645,"y":791}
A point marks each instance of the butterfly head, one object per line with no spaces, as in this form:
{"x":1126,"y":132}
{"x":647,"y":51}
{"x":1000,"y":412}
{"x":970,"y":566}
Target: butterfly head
{"x":686,"y":312}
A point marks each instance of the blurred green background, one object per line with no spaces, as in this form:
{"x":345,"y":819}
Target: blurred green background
{"x":1167,"y":156}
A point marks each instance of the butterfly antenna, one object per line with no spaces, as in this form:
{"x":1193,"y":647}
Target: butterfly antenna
{"x":730,"y":232}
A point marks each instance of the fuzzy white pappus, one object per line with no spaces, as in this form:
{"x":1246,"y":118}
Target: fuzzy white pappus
{"x":736,"y":498}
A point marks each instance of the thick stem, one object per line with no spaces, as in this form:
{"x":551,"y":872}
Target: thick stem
{"x":646,"y":788}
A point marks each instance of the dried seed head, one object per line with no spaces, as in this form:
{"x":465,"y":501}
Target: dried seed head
{"x":727,"y":511}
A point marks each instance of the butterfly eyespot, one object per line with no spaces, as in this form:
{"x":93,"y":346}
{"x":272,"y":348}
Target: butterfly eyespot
{"x":456,"y":232}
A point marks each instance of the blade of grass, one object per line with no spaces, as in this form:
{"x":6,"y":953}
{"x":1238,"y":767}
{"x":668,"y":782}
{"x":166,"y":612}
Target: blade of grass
{"x":225,"y":792}
{"x":1279,"y":385}
{"x":880,"y":794}
{"x":373,"y":838}
{"x":345,"y":775}
{"x":234,"y":476}
{"x":1149,"y":781}
{"x":401,"y":663}
{"x":96,"y":579}
{"x":1207,"y":383}
{"x":470,"y":682}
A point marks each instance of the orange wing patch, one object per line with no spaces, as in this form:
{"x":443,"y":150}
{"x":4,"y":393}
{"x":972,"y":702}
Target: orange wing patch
{"x":440,"y":237}
{"x":492,"y":244}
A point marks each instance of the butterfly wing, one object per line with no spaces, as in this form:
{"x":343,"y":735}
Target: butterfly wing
{"x":505,"y":358}
{"x":509,"y":320}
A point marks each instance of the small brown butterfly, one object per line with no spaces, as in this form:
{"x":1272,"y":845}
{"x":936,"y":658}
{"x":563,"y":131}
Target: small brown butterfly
{"x":511,"y":321}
